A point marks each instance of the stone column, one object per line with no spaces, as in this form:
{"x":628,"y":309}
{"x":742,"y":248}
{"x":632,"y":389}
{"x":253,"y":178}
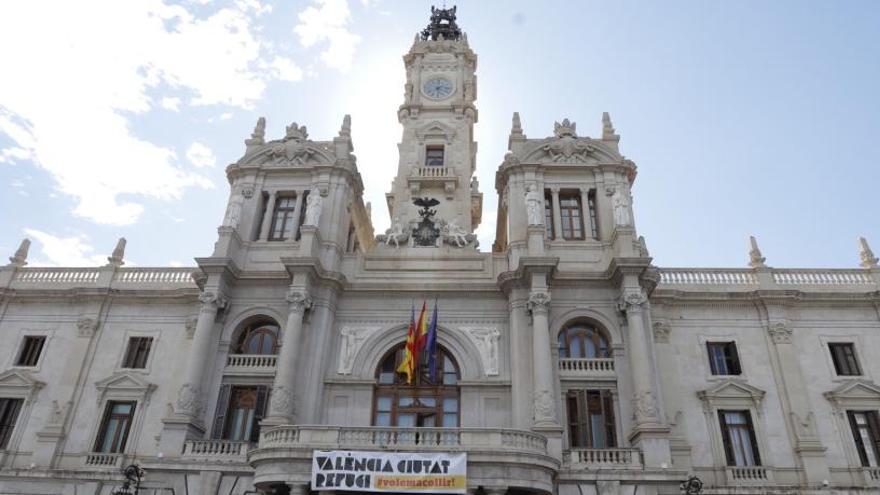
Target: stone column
{"x":297,"y":214}
{"x":267,"y":216}
{"x":542,"y":363}
{"x":281,"y":403}
{"x":644,"y":402}
{"x":807,"y":445}
{"x":557,"y":214}
{"x":190,"y":400}
{"x":585,"y":215}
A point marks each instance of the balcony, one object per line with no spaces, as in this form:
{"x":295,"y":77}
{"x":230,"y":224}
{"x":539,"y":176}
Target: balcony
{"x":749,"y":475}
{"x":423,"y":176}
{"x":216,"y":450}
{"x":103,"y":461}
{"x":586,"y":368}
{"x":250,"y":364}
{"x":517,"y":457}
{"x":595,"y":459}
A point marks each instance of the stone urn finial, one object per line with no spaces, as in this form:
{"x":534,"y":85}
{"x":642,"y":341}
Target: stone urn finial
{"x":756,"y":259}
{"x":19,"y":259}
{"x":117,"y":258}
{"x":868,"y":260}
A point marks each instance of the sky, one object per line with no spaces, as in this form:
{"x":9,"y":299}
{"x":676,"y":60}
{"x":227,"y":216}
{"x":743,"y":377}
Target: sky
{"x":117,"y":119}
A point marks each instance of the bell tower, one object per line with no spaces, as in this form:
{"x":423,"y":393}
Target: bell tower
{"x":435,"y":191}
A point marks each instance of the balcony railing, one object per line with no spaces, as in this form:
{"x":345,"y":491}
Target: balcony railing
{"x":749,"y":475}
{"x":431,"y":172}
{"x":155,"y":276}
{"x":121,"y":278}
{"x":392,"y":438}
{"x":84,"y":276}
{"x":616,"y":458}
{"x":251,"y":363}
{"x":216,"y":450}
{"x":703,"y":276}
{"x":586,"y":367}
{"x":738,"y":279}
{"x":99,"y":460}
{"x":822,"y":277}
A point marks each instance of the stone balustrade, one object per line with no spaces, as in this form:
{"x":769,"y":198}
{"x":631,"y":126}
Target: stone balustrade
{"x":135,"y":278}
{"x":749,"y":475}
{"x":612,"y":458}
{"x":216,"y":450}
{"x":432,"y":172}
{"x":586,"y":367}
{"x":822,"y":277}
{"x":251,"y":363}
{"x":701,"y":276}
{"x":82,"y":276}
{"x":100,"y":460}
{"x":731,"y":279}
{"x":155,"y":276}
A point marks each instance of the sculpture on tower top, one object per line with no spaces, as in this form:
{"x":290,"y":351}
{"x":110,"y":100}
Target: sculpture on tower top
{"x":442,"y":25}
{"x":756,"y":259}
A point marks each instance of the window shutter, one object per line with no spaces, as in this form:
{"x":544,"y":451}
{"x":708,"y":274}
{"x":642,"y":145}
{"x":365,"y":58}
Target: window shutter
{"x":725,"y":437}
{"x":734,"y":368}
{"x":220,"y":412}
{"x":753,"y":438}
{"x":860,"y":446}
{"x":874,"y":429}
{"x":608,"y":405}
{"x":259,"y":411}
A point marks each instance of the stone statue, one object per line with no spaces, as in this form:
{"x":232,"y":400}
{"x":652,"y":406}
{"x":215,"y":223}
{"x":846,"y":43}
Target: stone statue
{"x":345,"y":131}
{"x":259,"y":130}
{"x":351,"y":342}
{"x":116,"y":259}
{"x":475,"y":185}
{"x":487,"y":343}
{"x":395,"y":234}
{"x":314,"y":207}
{"x":622,"y":217}
{"x":20,"y":257}
{"x":534,"y":206}
{"x":868,"y":260}
{"x":756,"y":259}
{"x":453,"y":232}
{"x":233,"y":210}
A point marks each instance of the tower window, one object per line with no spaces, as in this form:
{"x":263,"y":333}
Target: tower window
{"x":723,"y":358}
{"x":434,"y":156}
{"x":570,"y":214}
{"x":282,"y":218}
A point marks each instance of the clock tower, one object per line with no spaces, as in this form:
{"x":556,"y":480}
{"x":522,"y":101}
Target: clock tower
{"x":436,"y":170}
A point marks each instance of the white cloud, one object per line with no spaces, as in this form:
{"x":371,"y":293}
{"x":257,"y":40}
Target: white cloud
{"x":176,"y":264}
{"x":286,"y":70}
{"x":64,"y":251}
{"x":78,"y":79}
{"x":200,"y":155}
{"x":171,"y":103}
{"x":329,"y":23}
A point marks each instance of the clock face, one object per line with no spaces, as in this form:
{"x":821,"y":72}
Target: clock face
{"x":437,"y":88}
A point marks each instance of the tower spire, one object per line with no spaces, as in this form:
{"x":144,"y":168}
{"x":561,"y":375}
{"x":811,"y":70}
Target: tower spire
{"x":442,"y":25}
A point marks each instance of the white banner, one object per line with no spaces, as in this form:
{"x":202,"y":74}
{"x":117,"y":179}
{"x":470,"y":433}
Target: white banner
{"x":389,"y":471}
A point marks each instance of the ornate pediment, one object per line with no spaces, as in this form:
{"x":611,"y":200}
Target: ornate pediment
{"x":732,"y":390}
{"x":435,"y":130}
{"x":854,"y":391}
{"x":19,"y":381}
{"x":568,"y":148}
{"x":124,"y":385}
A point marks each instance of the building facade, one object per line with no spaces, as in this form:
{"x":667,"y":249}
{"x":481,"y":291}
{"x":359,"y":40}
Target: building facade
{"x":567,"y":363}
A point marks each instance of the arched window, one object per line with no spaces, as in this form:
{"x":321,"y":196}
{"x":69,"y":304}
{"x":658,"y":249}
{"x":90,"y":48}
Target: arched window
{"x":427,"y":402}
{"x":581,"y":340}
{"x":258,"y":337}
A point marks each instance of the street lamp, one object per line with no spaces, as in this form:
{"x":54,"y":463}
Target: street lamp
{"x":133,"y":476}
{"x":693,"y":486}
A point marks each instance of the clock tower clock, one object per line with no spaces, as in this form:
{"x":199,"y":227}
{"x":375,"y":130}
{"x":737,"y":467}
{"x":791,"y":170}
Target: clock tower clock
{"x":437,"y":149}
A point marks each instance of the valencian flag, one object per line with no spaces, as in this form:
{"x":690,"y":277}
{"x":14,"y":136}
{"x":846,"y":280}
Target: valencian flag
{"x":431,"y":345}
{"x":414,"y":345}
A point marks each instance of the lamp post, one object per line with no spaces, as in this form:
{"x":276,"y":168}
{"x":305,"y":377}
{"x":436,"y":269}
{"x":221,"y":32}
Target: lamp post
{"x":133,"y":476}
{"x":693,"y":486}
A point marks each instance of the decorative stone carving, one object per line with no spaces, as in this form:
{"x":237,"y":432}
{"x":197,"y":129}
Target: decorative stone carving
{"x":281,"y":402}
{"x":539,"y":302}
{"x":313,"y":208}
{"x":299,"y":300}
{"x":455,"y":235}
{"x":189,"y":400}
{"x":486,"y":340}
{"x":86,"y":326}
{"x":608,"y":128}
{"x":780,"y":332}
{"x":516,"y":126}
{"x":352,"y":339}
{"x":259,"y":134}
{"x":534,"y":206}
{"x":868,"y":260}
{"x":296,"y":132}
{"x":212,"y":301}
{"x":804,"y":428}
{"x":509,"y":160}
{"x":544,"y":408}
{"x":19,"y":259}
{"x":233,"y":209}
{"x":247,"y":192}
{"x":645,"y":407}
{"x":190,"y":326}
{"x":661,"y":332}
{"x":565,"y":129}
{"x":426,"y":231}
{"x":631,"y":301}
{"x":643,"y":246}
{"x":756,"y":259}
{"x":621,"y":202}
{"x":345,"y":131}
{"x":116,"y":258}
{"x":394,"y":235}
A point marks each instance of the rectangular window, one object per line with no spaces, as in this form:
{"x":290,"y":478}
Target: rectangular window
{"x":594,"y":223}
{"x":866,"y":432}
{"x":738,"y":434}
{"x":239,"y":412}
{"x":137,"y":352}
{"x":844,"y":357}
{"x":590,"y":419}
{"x":31,"y":348}
{"x":114,"y":427}
{"x":282,"y":218}
{"x":571,"y":216}
{"x":723,"y":358}
{"x":434,"y":156}
{"x":548,"y":215}
{"x":9,"y":409}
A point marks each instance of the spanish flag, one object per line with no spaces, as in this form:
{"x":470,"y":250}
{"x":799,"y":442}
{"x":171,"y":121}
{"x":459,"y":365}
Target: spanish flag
{"x":414,"y":344}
